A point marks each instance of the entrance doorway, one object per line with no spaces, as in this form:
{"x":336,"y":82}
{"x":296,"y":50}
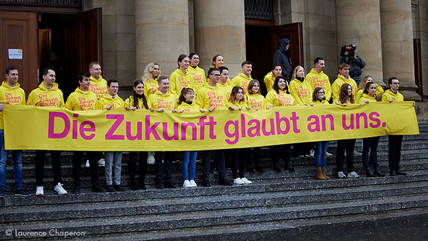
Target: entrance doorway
{"x":262,"y":40}
{"x":64,"y":38}
{"x":56,"y":49}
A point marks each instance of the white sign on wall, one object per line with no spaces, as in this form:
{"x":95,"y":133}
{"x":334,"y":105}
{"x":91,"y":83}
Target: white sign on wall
{"x":15,"y":53}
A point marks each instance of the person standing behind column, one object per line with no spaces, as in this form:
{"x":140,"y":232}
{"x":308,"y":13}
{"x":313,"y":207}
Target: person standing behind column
{"x":163,"y":101}
{"x":108,"y":102}
{"x":83,"y":99}
{"x":243,"y":78}
{"x":197,"y":73}
{"x":342,"y":78}
{"x":137,"y":101}
{"x":150,"y":78}
{"x":317,"y":78}
{"x":394,"y":141}
{"x":349,"y":55}
{"x":210,"y":98}
{"x":271,"y":76}
{"x":282,"y":56}
{"x":10,"y":94}
{"x":47,"y":95}
{"x":181,"y":77}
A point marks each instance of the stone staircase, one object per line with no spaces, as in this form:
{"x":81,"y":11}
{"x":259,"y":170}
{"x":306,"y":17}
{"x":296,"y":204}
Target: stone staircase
{"x":277,"y":206}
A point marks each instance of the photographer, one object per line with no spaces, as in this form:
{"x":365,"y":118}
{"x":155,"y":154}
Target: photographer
{"x":348,"y":55}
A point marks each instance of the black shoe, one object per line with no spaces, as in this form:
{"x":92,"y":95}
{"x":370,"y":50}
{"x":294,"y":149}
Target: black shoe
{"x":110,"y":188}
{"x":398,"y":172}
{"x":97,"y":188}
{"x":392,"y":173}
{"x":251,"y":170}
{"x":119,"y":188}
{"x":289,"y":167}
{"x":76,"y":189}
{"x":133,"y":187}
{"x":225,"y":182}
{"x":21,"y":192}
{"x":379,"y":173}
{"x":369,"y":173}
{"x":260,"y":170}
{"x":169,"y":185}
{"x":142,"y":186}
{"x":206,"y":184}
{"x":277,"y":169}
{"x":160,"y":186}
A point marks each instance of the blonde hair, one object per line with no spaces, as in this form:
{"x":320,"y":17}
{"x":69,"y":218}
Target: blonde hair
{"x":147,"y":76}
{"x":364,"y":82}
{"x":295,"y":71}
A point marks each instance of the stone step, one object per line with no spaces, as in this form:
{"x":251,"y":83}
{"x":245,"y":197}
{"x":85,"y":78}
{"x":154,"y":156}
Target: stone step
{"x":267,"y":183}
{"x":363,"y":226}
{"x":301,"y":171}
{"x":222,"y":218}
{"x":18,"y":214}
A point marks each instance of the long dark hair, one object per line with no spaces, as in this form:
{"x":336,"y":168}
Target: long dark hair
{"x":343,"y":96}
{"x":276,"y":87}
{"x":235,"y":90}
{"x":184,"y":91}
{"x":366,"y":89}
{"x":314,"y":95}
{"x":137,"y":82}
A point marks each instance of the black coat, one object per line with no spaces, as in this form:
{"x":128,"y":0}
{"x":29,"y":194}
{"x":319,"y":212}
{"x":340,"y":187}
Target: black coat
{"x":283,"y":57}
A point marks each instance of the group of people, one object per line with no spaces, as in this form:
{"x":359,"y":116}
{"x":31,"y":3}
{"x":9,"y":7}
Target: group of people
{"x":189,"y":89}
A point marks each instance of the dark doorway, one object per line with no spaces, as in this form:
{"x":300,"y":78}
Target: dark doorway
{"x":57,"y":48}
{"x":258,"y":50}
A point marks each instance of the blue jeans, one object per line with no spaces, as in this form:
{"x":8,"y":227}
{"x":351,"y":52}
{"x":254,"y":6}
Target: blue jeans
{"x":189,"y":165}
{"x":17,"y":165}
{"x":116,"y":158}
{"x":320,"y":153}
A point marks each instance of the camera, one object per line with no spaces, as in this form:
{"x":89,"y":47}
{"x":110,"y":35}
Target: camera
{"x":351,"y":47}
{"x":348,"y":48}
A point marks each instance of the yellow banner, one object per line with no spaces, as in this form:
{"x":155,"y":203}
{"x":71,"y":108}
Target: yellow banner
{"x":37,"y":128}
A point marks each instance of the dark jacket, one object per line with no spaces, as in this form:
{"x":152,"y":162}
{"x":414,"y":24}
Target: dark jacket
{"x":283,"y":57}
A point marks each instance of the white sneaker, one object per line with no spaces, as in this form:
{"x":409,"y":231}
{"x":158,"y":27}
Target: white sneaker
{"x":328,"y":153}
{"x":59,"y":189}
{"x":102,"y":162}
{"x":151,"y":158}
{"x":312,"y":153}
{"x":246,"y":181}
{"x":39,"y":191}
{"x":193,"y":183}
{"x":353,"y":174}
{"x":87,"y":163}
{"x":238,"y":181}
{"x":341,"y":175}
{"x":186,"y":184}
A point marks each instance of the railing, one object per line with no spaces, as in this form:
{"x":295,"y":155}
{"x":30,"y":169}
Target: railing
{"x":259,"y":9}
{"x":52,"y":3}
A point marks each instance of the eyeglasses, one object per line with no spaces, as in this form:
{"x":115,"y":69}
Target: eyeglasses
{"x":396,"y":83}
{"x":321,"y":92}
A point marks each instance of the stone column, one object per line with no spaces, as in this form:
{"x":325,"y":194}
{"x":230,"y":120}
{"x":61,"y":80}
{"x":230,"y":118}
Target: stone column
{"x":397,"y":45}
{"x":162,"y":33}
{"x":358,"y":22}
{"x":220,"y":29}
